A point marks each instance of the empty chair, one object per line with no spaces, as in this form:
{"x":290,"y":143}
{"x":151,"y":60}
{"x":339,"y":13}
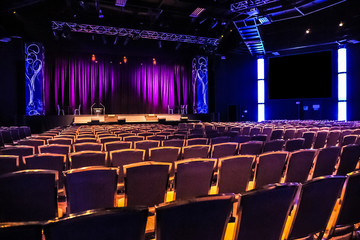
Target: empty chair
{"x":241,"y":138}
{"x":274,"y":145}
{"x":277,"y":134}
{"x":177,"y":136}
{"x":202,"y":218}
{"x":234,"y":173}
{"x":246,"y":130}
{"x":193,"y":178}
{"x":145,"y":134}
{"x":90,"y":188}
{"x":29,"y":195}
{"x":255,"y":131}
{"x":259,"y":137}
{"x":32,"y":142}
{"x":78,"y":147}
{"x":267,"y":130}
{"x":195,"y":151}
{"x":109,"y":139}
{"x":117,"y":145}
{"x":21,"y":230}
{"x":164,"y":154}
{"x":20,"y":151}
{"x":251,"y":148}
{"x":349,"y":139}
{"x":349,"y":158}
{"x":85,"y":140}
{"x":195,"y":135}
{"x":294,"y":144}
{"x":262,"y":213}
{"x":289,"y":133}
{"x":196,"y":141}
{"x":119,"y":158}
{"x":128,"y":223}
{"x":333,"y":138}
{"x":317,"y":200}
{"x":48,"y":161}
{"x":8,"y":163}
{"x":146,"y":183}
{"x":299,"y":132}
{"x":269,"y":168}
{"x":349,"y":213}
{"x":223,"y":150}
{"x":320,"y":139}
{"x":299,"y":165}
{"x":87,"y":158}
{"x":6,"y":136}
{"x":309,"y":138}
{"x":27,"y":130}
{"x":133,"y":138}
{"x":156,"y":137}
{"x":83,"y":135}
{"x":64,"y":141}
{"x":173,"y":143}
{"x":217,"y":140}
{"x":325,"y":161}
{"x":146,"y":145}
{"x":55,"y":148}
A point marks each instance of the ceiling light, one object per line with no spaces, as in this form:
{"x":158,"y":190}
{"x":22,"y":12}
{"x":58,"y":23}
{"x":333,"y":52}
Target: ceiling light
{"x":120,"y":3}
{"x":197,"y":12}
{"x":101,"y":15}
{"x":214,"y":25}
{"x":341,"y":24}
{"x":307,"y":31}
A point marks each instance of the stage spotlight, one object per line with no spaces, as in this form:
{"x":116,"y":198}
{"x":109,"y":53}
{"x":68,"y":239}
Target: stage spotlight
{"x":307,"y":31}
{"x":341,"y":24}
{"x":14,"y":12}
{"x":125,"y":59}
{"x":93,"y":58}
{"x":154,"y":61}
{"x":101,"y":15}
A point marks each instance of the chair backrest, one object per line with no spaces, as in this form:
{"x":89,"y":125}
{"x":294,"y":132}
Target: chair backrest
{"x":146,"y":145}
{"x":196,"y":141}
{"x":265,"y":209}
{"x":55,"y":148}
{"x":320,"y":139}
{"x":86,"y":140}
{"x":294,"y":144}
{"x":6,"y":136}
{"x":224,"y":149}
{"x":289,"y":133}
{"x":202,"y":218}
{"x":325,"y":161}
{"x":255,"y":131}
{"x":251,"y":148}
{"x":117,"y":145}
{"x":20,"y":151}
{"x":50,"y":161}
{"x":22,"y":230}
{"x":87,"y":158}
{"x":109,"y":139}
{"x":110,"y":224}
{"x":349,"y":139}
{"x":32,"y":142}
{"x":133,"y":138}
{"x":315,"y":205}
{"x":269,"y":168}
{"x":333,"y":138}
{"x":193,"y":178}
{"x":234,"y":173}
{"x":277,"y":134}
{"x":274,"y":145}
{"x":119,"y":158}
{"x":259,"y":137}
{"x":350,"y":209}
{"x":146,"y":183}
{"x":221,"y":139}
{"x":156,"y":137}
{"x":90,"y":188}
{"x":87,"y":146}
{"x":349,"y":158}
{"x":8,"y":163}
{"x":29,"y":195}
{"x":173,"y":143}
{"x":241,"y":138}
{"x":64,"y":141}
{"x":164,"y":154}
{"x":299,"y":165}
{"x":309,"y":139}
{"x":195,"y":151}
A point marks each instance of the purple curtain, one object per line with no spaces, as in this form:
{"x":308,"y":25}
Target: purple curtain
{"x":134,"y":87}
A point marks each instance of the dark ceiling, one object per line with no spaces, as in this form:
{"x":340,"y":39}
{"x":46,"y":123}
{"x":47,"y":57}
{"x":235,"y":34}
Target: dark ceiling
{"x":31,"y":20}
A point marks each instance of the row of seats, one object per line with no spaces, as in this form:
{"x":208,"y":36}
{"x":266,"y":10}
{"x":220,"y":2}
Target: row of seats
{"x":280,"y":211}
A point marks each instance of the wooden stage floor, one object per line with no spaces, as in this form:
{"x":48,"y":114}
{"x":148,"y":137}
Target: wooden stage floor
{"x":129,"y":118}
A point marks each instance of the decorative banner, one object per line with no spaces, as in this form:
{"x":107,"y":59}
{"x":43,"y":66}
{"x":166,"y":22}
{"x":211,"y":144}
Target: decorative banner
{"x":200,"y":84}
{"x":34,"y":75}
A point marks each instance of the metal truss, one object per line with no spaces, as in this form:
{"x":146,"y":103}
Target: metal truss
{"x":249,"y":32}
{"x":243,"y":5}
{"x":133,"y":33}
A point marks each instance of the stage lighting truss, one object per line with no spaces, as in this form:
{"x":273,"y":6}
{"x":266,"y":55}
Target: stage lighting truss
{"x":133,"y":33}
{"x":247,"y":4}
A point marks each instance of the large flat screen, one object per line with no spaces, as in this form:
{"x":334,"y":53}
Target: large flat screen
{"x":301,"y":76}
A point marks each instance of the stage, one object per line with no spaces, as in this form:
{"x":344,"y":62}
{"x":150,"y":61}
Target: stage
{"x":128,"y":118}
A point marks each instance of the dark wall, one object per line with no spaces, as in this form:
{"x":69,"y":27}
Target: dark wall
{"x":235,"y":88}
{"x":12,"y":82}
